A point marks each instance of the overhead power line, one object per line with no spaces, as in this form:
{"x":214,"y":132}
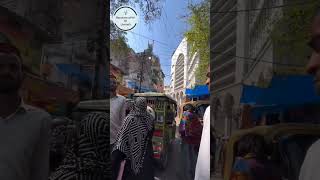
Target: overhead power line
{"x":247,"y":59}
{"x":257,"y":9}
{"x":266,"y":8}
{"x":260,"y":60}
{"x":149,"y":38}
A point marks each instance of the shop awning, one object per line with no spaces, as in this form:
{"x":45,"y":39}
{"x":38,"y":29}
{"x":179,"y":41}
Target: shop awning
{"x":124,"y":91}
{"x":283,"y":90}
{"x":199,"y":90}
{"x":74,"y":70}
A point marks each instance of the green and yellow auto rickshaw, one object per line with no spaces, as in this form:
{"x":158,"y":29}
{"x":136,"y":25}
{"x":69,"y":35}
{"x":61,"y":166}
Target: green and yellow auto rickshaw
{"x":165,"y":126}
{"x":287,"y":145}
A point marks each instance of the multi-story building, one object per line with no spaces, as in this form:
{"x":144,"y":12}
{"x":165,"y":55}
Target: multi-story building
{"x":183,"y":71}
{"x":167,"y":90}
{"x":191,"y":72}
{"x":79,"y":45}
{"x":46,"y":14}
{"x":240,"y":47}
{"x":157,"y":75}
{"x":145,"y":64}
{"x":179,"y":72}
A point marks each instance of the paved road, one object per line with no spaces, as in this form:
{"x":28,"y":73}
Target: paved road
{"x":175,"y":169}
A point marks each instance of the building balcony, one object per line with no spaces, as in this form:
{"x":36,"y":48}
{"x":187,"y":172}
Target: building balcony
{"x":229,"y":61}
{"x":226,"y":70}
{"x":223,"y":5}
{"x":223,"y":82}
{"x":226,"y":29}
{"x":227,"y":41}
{"x":222,"y":18}
{"x":221,"y":57}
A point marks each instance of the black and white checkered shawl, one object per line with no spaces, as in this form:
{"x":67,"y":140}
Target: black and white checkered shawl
{"x":132,"y":139}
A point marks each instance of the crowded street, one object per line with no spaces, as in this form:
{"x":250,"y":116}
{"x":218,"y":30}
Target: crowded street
{"x":160,"y":90}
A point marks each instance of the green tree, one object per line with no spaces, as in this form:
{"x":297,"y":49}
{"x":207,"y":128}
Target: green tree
{"x":198,"y":37}
{"x":119,"y":47}
{"x":291,"y":34}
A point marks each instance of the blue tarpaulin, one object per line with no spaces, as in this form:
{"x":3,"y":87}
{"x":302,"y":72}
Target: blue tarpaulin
{"x":199,"y":90}
{"x":283,"y":93}
{"x":134,"y":85}
{"x":283,"y":90}
{"x":74,"y":70}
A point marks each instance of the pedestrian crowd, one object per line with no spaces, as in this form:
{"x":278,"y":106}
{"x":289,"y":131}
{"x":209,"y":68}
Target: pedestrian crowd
{"x":101,"y":146}
{"x":26,"y":130}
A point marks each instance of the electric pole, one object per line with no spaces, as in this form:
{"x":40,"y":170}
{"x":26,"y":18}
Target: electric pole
{"x":141,"y":70}
{"x":101,"y":51}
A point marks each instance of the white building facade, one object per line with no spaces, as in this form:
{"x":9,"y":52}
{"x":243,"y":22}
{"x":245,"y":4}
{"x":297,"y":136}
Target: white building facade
{"x":191,"y":71}
{"x":183,"y":71}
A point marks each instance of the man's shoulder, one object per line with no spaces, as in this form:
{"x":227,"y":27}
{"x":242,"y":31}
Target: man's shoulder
{"x":35,"y":110}
{"x":208,"y":109}
{"x":122,"y":98}
{"x":315,"y":147}
{"x":119,"y":98}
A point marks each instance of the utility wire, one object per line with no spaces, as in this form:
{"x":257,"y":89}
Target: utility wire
{"x":245,"y":59}
{"x":257,"y":9}
{"x":266,"y":8}
{"x":260,"y":60}
{"x":149,"y":38}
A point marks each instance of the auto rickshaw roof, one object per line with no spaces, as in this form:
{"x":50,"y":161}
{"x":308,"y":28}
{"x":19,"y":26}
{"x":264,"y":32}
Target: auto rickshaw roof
{"x":94,"y":105}
{"x":153,"y":94}
{"x":270,"y":133}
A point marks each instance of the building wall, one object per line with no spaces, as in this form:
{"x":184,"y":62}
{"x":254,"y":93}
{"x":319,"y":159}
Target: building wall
{"x":225,"y":68}
{"x":246,"y":46}
{"x":46,"y":14}
{"x":191,"y":73}
{"x":183,"y":71}
{"x":223,"y":44}
{"x":179,"y":72}
{"x":259,"y":43}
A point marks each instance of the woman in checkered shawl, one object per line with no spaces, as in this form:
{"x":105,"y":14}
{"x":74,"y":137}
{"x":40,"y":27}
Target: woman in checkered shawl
{"x":89,"y":157}
{"x":134,"y":144}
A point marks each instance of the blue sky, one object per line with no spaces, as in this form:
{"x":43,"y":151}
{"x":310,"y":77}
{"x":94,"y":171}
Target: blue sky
{"x":167,"y":32}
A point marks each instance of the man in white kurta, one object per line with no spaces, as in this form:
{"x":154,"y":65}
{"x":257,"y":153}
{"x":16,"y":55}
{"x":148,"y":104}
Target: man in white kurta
{"x":310,"y":169}
{"x":203,"y":162}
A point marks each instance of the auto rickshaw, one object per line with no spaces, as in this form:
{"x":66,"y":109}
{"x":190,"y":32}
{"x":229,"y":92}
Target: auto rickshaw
{"x":200,"y":107}
{"x":165,"y":126}
{"x":287,"y":147}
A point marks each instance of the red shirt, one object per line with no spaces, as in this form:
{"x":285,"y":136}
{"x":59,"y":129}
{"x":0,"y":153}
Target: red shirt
{"x":194,"y":130}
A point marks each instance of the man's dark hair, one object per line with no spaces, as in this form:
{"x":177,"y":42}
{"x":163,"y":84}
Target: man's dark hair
{"x":189,"y":107}
{"x":253,"y":144}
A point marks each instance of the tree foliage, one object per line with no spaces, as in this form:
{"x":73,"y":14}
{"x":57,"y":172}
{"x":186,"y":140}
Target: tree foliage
{"x":198,"y":37}
{"x":292,"y":31}
{"x":119,"y":46}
